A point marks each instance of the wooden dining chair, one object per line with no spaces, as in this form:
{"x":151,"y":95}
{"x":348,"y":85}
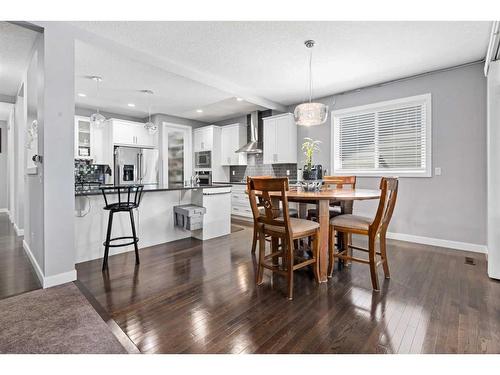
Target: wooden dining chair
{"x":352,"y":224}
{"x":292,"y":212}
{"x":337,"y":182}
{"x":277,"y":223}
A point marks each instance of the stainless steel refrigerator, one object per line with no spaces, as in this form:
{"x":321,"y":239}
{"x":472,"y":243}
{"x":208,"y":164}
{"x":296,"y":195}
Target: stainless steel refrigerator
{"x":134,"y":165}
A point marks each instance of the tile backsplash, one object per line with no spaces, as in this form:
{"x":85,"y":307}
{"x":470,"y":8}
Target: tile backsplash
{"x":256,"y":168}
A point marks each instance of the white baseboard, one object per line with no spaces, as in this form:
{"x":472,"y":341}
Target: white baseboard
{"x":456,"y":245}
{"x":48,"y":281}
{"x":19,"y":231}
{"x":60,"y":278}
{"x":33,"y":261}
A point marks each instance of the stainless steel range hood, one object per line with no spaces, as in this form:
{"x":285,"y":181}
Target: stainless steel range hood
{"x":252,"y":146}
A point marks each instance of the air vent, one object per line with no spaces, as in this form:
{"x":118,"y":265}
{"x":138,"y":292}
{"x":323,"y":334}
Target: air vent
{"x":470,"y":261}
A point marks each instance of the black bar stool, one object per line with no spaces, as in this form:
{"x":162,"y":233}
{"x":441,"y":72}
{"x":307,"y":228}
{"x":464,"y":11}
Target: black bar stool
{"x":129,"y":197}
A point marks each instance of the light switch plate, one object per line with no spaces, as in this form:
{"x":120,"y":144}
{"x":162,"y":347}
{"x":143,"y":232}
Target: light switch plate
{"x":234,"y":172}
{"x":288,"y":172}
{"x":437,"y":171}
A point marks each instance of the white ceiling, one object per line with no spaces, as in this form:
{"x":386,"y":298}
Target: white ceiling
{"x":16,"y":44}
{"x":5,"y":111}
{"x":124,"y":78}
{"x":267,"y":60}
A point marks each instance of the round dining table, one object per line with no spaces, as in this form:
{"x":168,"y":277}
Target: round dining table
{"x":322,"y":200}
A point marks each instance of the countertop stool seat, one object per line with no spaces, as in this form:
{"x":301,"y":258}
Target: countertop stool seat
{"x":127,"y":199}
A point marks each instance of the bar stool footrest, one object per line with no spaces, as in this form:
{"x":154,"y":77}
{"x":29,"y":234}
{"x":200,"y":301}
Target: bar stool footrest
{"x":135,"y":240}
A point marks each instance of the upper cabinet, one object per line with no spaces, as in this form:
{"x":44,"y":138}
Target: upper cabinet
{"x":280,"y":139}
{"x":232,"y":138}
{"x":93,"y":142}
{"x":128,"y":133}
{"x":203,"y":139}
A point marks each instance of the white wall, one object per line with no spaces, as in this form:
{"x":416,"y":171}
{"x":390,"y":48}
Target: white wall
{"x":3,"y":167}
{"x":494,"y":170}
{"x":449,"y":207}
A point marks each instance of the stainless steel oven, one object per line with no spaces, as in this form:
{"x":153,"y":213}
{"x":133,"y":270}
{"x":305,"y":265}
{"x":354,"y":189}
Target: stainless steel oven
{"x":205,"y":177}
{"x":203,"y":159}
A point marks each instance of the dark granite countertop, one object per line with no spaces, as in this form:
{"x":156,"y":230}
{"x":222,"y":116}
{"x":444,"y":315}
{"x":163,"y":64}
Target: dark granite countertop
{"x":95,"y":190}
{"x":244,"y":183}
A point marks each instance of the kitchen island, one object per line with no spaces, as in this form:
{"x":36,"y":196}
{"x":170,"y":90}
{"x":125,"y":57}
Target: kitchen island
{"x":154,"y":218}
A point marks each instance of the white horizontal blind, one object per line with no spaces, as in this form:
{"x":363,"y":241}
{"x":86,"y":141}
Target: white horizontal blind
{"x":383,"y":138}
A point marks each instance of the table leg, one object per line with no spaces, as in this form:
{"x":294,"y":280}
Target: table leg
{"x":324,"y":223}
{"x":302,"y":210}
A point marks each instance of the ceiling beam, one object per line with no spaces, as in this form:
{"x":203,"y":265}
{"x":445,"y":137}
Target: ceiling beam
{"x":171,"y":67}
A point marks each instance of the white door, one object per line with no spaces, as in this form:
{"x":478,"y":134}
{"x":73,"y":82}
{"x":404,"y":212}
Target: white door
{"x":176,"y":154}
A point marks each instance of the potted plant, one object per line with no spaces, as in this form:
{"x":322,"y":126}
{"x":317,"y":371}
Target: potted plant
{"x":310,"y":146}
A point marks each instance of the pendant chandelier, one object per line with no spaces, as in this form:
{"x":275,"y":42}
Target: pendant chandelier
{"x":310,"y":114}
{"x":150,"y":126}
{"x":96,"y":119}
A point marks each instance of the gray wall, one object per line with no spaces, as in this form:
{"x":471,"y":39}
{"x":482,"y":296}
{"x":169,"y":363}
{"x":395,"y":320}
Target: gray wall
{"x":3,"y":166}
{"x":451,"y":206}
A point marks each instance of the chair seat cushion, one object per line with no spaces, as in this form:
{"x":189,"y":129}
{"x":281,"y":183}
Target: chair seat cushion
{"x":351,"y":221}
{"x":298,"y":226}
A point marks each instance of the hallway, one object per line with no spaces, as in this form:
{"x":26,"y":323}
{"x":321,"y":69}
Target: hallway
{"x":16,"y":273}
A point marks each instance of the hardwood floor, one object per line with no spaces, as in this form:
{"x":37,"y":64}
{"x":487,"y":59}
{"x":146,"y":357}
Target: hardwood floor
{"x":16,"y":273}
{"x":199,"y":297}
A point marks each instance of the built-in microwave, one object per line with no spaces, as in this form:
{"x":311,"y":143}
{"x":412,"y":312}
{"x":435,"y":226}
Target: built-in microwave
{"x":203,"y":159}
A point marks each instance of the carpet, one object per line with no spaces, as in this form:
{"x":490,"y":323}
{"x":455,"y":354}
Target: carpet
{"x":54,"y":320}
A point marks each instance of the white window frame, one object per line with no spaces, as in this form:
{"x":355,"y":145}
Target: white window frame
{"x":380,"y":106}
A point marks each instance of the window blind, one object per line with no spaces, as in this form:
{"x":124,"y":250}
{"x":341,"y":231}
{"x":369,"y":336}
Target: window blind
{"x":383,"y":138}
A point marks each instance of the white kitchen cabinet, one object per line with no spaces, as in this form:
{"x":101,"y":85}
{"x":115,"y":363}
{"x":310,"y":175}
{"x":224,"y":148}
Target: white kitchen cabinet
{"x":240,"y":204}
{"x":232,"y":138}
{"x":93,"y":142}
{"x":280,"y":139}
{"x":129,"y":133}
{"x":203,"y":139}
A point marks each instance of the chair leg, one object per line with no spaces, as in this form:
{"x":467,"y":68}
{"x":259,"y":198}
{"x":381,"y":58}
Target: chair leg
{"x":345,"y":246}
{"x":290,"y":252}
{"x":383,"y":254}
{"x":262,"y":252}
{"x":254,"y":240}
{"x":373,"y":267}
{"x":106,"y":244}
{"x":315,"y":254}
{"x":132,"y":223}
{"x":331,"y":250}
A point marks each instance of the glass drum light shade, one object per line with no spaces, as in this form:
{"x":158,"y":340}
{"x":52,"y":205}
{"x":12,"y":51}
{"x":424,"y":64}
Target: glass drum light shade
{"x":151,"y":127}
{"x":311,"y":114}
{"x":97,"y":120}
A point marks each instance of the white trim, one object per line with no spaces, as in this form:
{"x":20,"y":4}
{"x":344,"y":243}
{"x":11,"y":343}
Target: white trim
{"x":4,"y":211}
{"x":334,"y":116}
{"x":19,"y":232}
{"x":33,"y":261}
{"x":456,"y":245}
{"x":60,"y":278}
{"x":48,"y":281}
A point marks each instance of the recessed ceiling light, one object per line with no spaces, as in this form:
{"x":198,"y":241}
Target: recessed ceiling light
{"x":239,"y":99}
{"x":199,"y":110}
{"x":82,"y":95}
{"x":131,"y":105}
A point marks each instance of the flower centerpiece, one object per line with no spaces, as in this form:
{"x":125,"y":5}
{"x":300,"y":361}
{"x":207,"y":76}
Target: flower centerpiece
{"x":310,"y":171}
